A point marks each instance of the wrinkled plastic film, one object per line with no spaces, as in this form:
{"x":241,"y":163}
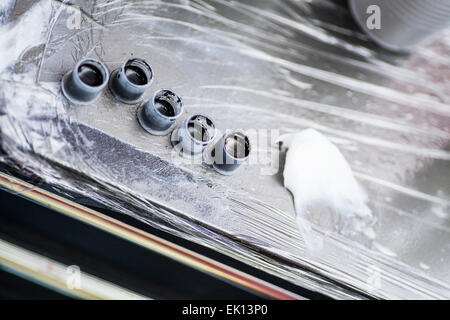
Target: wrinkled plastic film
{"x":278,"y":66}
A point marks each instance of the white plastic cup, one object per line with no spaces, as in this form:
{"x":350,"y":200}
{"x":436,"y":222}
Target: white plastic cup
{"x":404,"y":24}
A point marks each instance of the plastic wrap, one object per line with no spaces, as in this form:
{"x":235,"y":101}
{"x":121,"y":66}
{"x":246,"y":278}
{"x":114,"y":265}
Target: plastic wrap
{"x":267,"y":67}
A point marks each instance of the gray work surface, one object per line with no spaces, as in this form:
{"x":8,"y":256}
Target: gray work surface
{"x":271,"y":67}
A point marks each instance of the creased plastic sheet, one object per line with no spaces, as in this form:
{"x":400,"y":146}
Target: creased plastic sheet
{"x":268,"y":67}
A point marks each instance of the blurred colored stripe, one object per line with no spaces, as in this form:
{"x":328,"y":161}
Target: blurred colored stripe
{"x":144,"y":239}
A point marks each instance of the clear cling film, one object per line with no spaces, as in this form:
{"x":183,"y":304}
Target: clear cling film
{"x":268,"y":68}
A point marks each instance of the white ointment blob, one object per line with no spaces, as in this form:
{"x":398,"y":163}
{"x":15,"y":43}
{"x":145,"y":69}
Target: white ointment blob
{"x":326,"y":194}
